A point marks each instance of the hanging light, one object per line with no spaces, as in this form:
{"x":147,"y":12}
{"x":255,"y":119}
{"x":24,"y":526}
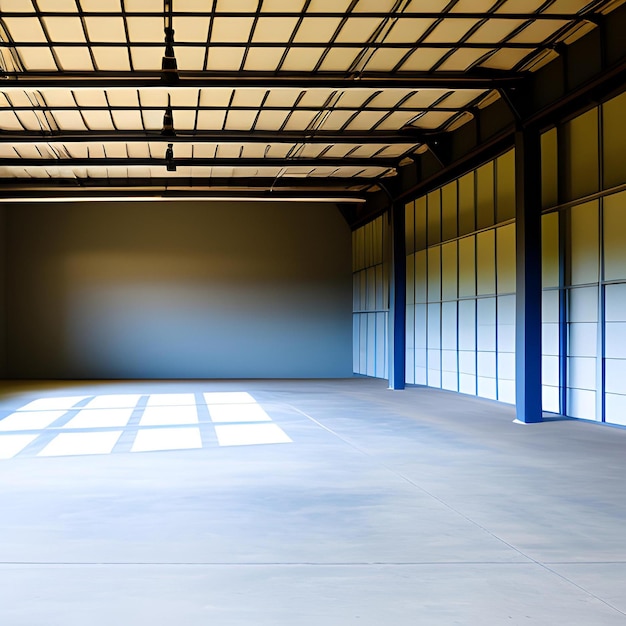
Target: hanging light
{"x":168,"y":120}
{"x":169,"y":157}
{"x":169,"y":66}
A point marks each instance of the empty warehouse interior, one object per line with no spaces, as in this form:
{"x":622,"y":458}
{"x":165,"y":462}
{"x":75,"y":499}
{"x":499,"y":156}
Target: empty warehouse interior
{"x":312,"y":312}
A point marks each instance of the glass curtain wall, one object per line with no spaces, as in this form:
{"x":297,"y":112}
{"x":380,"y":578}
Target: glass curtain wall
{"x":584,"y":265}
{"x":370,"y":298}
{"x":460,"y":242}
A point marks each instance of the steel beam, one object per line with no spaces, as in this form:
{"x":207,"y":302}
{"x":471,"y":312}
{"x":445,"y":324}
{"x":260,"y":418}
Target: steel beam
{"x":528,"y":276}
{"x":397,"y":299}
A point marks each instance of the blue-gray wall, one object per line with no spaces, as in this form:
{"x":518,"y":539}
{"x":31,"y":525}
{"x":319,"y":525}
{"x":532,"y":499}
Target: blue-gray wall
{"x":160,"y":290}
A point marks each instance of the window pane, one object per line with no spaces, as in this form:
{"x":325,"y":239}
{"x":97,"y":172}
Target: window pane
{"x":409,"y":227}
{"x":466,"y":204}
{"x":549,"y":176}
{"x":486,"y":262}
{"x":484,"y":196}
{"x":506,"y":258}
{"x":615,"y":236}
{"x":420,"y":223}
{"x":448,"y":271}
{"x":614,"y":140}
{"x":467,"y":267}
{"x":434,"y":217}
{"x":584,"y":243}
{"x":505,"y":185}
{"x":550,"y":250}
{"x":434,"y":274}
{"x":580,"y":155}
{"x":448,"y":210}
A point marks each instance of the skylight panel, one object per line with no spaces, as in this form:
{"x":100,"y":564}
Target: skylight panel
{"x":317,"y":29}
{"x":385,"y":59}
{"x":408,"y":30}
{"x":264,"y":59}
{"x":494,"y":31}
{"x":423,"y":59}
{"x":231,"y":29}
{"x":105,"y":29}
{"x":74,"y":59}
{"x":64,"y":29}
{"x":358,"y":30}
{"x":366,"y":120}
{"x":274,"y":29}
{"x":302,"y":59}
{"x":450,"y":30}
{"x":192,"y":29}
{"x":225,"y":58}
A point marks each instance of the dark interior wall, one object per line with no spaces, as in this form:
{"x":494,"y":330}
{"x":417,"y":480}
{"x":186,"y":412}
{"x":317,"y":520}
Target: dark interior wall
{"x":3,"y":334}
{"x":164,"y":289}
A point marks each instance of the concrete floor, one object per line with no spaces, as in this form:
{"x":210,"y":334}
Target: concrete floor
{"x":377,"y":508}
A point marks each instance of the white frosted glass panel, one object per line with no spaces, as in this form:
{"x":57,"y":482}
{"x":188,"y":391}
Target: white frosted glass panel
{"x":506,"y":391}
{"x":581,"y":403}
{"x":486,"y":262}
{"x":582,"y":339}
{"x":362,"y":290}
{"x":505,"y":247}
{"x":467,"y":325}
{"x":615,"y":236}
{"x":615,"y":347}
{"x":420,"y":326}
{"x":363,"y":345}
{"x":551,"y":399}
{"x":467,"y":362}
{"x":581,"y":158}
{"x":449,"y":381}
{"x":410,"y":278}
{"x":487,"y":364}
{"x":381,"y":344}
{"x":614,"y":141}
{"x":550,"y":339}
{"x":434,"y":326}
{"x":615,"y":303}
{"x":506,"y":337}
{"x":409,"y":366}
{"x":615,"y":375}
{"x":355,"y":343}
{"x":380,"y":288}
{"x":171,"y":399}
{"x":583,"y":305}
{"x":448,"y":326}
{"x":449,"y":271}
{"x":581,"y":372}
{"x":371,"y":344}
{"x":420,"y":367}
{"x":506,"y":310}
{"x":420,"y":276}
{"x":550,"y":370}
{"x":168,"y":415}
{"x":550,"y":306}
{"x":467,"y":384}
{"x":486,"y":339}
{"x":549,"y":172}
{"x":506,"y":366}
{"x":584,"y":259}
{"x":487,"y":388}
{"x":410,"y":326}
{"x":467,"y":267}
{"x":371,"y":288}
{"x":434,"y":274}
{"x":449,"y":361}
{"x":12,"y":445}
{"x":550,"y":250}
{"x":615,"y":409}
{"x":434,"y":378}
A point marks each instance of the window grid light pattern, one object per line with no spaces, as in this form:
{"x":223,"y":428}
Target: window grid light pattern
{"x":95,"y":425}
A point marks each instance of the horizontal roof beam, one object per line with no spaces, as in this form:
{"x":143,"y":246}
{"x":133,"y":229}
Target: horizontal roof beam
{"x":476,"y":79}
{"x":273,"y":182}
{"x":202,"y":162}
{"x":410,"y":137}
{"x":432,"y":15}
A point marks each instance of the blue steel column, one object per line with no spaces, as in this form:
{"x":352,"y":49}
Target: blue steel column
{"x":397,"y":299}
{"x":528,"y":279}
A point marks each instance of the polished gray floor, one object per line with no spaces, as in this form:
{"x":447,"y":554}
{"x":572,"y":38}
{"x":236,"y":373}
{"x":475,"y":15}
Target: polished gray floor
{"x":373,"y":507}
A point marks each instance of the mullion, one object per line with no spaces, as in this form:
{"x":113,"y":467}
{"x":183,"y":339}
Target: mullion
{"x":332,"y":42}
{"x":46,"y":34}
{"x":468,"y":34}
{"x":86,"y":34}
{"x":127,"y":44}
{"x":362,"y":108}
{"x":208,"y":37}
{"x":293,"y":35}
{"x":255,"y":21}
{"x":82,"y":117}
{"x":395,"y":109}
{"x":420,"y":42}
{"x":259,"y":109}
